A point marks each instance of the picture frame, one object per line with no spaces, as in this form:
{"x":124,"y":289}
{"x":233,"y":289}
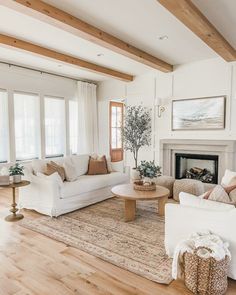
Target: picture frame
{"x":204,"y":113}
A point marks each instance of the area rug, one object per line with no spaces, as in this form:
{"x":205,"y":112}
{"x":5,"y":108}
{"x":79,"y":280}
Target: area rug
{"x":100,"y":230}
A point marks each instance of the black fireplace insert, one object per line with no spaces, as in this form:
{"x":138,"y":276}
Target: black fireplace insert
{"x":197,"y":166}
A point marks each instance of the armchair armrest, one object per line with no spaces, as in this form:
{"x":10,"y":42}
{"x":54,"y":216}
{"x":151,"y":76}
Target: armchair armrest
{"x":118,"y":166}
{"x":41,"y":195}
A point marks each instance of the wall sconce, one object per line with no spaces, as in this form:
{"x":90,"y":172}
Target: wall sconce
{"x":161,"y":102}
{"x":160,"y":110}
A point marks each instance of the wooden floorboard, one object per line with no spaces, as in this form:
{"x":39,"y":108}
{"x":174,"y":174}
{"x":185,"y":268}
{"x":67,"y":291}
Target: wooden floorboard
{"x":33,"y":264}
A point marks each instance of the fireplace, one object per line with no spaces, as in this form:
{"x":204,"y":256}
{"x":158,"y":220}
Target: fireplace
{"x":197,"y":166}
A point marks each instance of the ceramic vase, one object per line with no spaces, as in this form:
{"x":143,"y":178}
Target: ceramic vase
{"x":16,"y":178}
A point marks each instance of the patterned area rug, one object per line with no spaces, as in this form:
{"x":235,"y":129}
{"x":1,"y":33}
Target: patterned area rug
{"x":99,"y":229}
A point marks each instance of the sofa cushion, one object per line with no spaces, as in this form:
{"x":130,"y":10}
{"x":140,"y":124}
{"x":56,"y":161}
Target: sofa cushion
{"x":196,"y":202}
{"x":87,"y":183}
{"x":81,"y":164}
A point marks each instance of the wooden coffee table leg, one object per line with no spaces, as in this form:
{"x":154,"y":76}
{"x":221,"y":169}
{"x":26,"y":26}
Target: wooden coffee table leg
{"x":161,"y":205}
{"x":130,"y":208}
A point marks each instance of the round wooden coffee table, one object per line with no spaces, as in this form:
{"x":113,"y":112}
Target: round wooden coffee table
{"x":15,"y":216}
{"x":130,"y":196}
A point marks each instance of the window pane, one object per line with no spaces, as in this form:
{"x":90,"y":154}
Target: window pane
{"x":113,"y":138}
{"x":27,"y":126}
{"x":118,"y":117}
{"x":4,"y":147}
{"x":73,"y":119}
{"x":54,"y":126}
{"x":113,"y":116}
{"x":118,"y":138}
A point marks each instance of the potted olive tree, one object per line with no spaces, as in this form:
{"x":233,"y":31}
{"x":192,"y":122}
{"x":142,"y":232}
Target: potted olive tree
{"x":16,"y":171}
{"x":136,"y":132}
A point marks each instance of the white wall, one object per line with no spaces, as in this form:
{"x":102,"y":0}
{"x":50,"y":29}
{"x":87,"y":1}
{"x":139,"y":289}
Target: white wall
{"x":198,"y":79}
{"x":17,"y":79}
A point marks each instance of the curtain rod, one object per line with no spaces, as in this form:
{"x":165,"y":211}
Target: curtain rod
{"x":44,"y":72}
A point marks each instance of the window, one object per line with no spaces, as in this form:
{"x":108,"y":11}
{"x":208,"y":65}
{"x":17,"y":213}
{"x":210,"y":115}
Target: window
{"x":27,"y":126}
{"x":73,"y":123}
{"x":116,"y":121}
{"x":4,"y":146}
{"x":54,"y":109}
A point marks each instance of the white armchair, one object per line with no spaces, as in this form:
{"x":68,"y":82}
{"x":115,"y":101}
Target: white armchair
{"x":181,"y":221}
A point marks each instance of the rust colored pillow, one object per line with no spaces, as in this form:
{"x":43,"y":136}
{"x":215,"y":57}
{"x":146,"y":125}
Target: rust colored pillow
{"x":53,"y":167}
{"x":97,"y":166}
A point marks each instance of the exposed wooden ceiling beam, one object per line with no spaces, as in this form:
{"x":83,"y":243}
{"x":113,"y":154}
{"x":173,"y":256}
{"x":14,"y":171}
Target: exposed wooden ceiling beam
{"x":88,"y":32}
{"x":42,"y":51}
{"x":194,"y":19}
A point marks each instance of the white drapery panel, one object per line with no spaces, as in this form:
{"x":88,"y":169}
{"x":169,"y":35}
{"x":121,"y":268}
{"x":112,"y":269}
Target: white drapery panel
{"x":3,"y":126}
{"x":27,"y":126}
{"x":87,"y":119}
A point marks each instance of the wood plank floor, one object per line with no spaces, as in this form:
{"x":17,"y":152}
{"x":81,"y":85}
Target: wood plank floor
{"x":31,"y":263}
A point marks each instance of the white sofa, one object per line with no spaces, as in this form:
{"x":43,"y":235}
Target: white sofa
{"x":183,"y":220}
{"x":48,"y":196}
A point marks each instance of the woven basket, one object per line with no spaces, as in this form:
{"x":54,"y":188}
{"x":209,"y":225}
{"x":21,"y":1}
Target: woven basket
{"x":138,"y":185}
{"x":205,"y":276}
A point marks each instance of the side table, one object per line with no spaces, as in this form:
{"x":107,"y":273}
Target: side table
{"x":15,"y":216}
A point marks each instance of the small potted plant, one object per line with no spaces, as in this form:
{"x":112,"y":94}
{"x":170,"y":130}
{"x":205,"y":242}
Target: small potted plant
{"x":16,"y":171}
{"x":148,"y":171}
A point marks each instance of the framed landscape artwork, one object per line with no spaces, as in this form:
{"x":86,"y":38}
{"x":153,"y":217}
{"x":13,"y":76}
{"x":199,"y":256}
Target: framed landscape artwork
{"x":199,"y":113}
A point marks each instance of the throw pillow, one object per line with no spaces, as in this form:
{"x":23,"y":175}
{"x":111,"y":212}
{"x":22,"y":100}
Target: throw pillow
{"x":219,"y":194}
{"x":232,"y":181}
{"x":109,"y":166}
{"x":53,"y":177}
{"x":227,"y":178}
{"x":97,"y":166}
{"x":70,"y":171}
{"x":196,"y":202}
{"x":81,"y":164}
{"x":232,"y":196}
{"x":53,"y":167}
{"x":38,"y":166}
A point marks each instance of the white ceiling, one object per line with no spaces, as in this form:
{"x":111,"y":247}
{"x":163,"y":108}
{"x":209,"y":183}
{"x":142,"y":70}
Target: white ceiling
{"x":221,"y":13}
{"x":139,"y":22}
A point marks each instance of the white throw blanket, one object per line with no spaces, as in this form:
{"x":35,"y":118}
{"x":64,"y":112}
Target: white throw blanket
{"x":201,"y":239}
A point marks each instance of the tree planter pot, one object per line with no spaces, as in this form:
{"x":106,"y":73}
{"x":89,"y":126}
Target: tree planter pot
{"x":16,"y":178}
{"x":135,"y":175}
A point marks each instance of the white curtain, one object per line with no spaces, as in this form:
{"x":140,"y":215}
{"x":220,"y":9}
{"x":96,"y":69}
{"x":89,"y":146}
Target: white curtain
{"x":87,"y":119}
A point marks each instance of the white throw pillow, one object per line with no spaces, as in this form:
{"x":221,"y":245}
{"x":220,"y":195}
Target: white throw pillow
{"x":196,"y":202}
{"x":54,"y":177}
{"x":109,"y":166}
{"x":70,"y":170}
{"x":38,"y":166}
{"x":226,"y":179}
{"x":81,"y":164}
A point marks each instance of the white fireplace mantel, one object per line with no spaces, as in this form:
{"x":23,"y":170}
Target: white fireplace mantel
{"x":224,"y":149}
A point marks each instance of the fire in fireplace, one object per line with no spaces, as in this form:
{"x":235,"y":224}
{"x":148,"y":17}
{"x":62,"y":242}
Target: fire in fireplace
{"x":197,"y":166}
